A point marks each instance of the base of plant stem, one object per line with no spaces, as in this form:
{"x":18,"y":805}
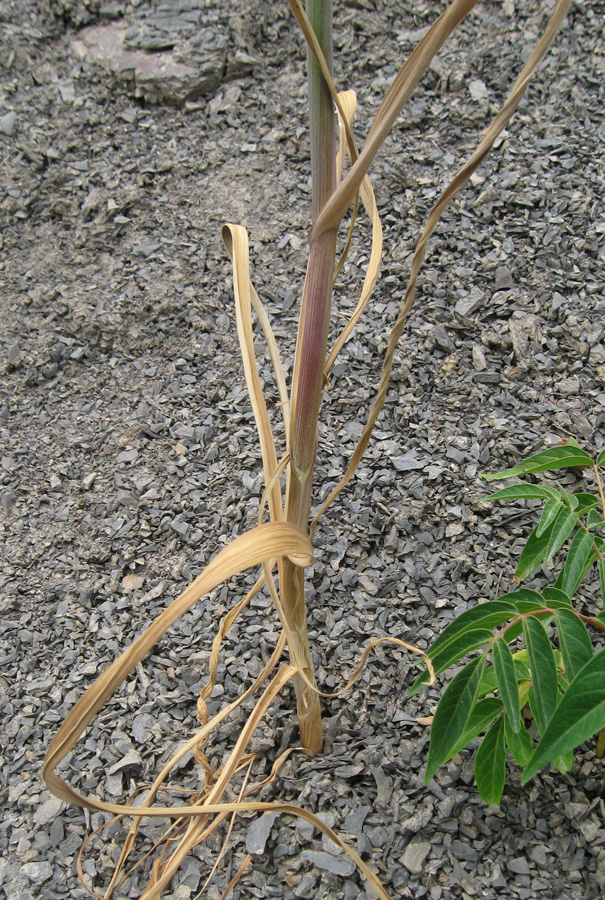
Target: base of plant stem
{"x":309,"y":717}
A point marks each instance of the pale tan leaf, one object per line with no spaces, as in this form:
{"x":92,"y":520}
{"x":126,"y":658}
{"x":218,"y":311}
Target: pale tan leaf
{"x":348,"y":103}
{"x":460,"y":179}
{"x":395,"y":99}
{"x":425,"y":720}
{"x":235,"y":238}
{"x":278,"y":369}
{"x":265,"y":542}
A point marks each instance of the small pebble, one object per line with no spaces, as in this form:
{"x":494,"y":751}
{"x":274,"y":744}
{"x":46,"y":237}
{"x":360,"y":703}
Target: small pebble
{"x":504,"y":278}
{"x":414,"y":856}
{"x":8,"y":122}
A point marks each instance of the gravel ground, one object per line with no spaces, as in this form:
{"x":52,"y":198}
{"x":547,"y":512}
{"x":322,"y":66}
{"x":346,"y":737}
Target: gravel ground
{"x":128,"y":455}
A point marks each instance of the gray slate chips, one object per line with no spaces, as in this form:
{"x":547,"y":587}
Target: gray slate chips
{"x":129,"y":132}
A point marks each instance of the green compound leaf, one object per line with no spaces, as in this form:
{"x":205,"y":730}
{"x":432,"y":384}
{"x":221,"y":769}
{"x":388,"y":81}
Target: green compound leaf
{"x":571,"y":501}
{"x":504,"y":665}
{"x":483,"y":714}
{"x":544,"y":690}
{"x":594,"y":519}
{"x":519,"y":743}
{"x":561,"y":530}
{"x":453,"y":714}
{"x":459,"y":646}
{"x":526,"y":600}
{"x":601,"y":458}
{"x":533,"y":555}
{"x":513,"y":631}
{"x":524,"y":492}
{"x":574,"y":642}
{"x":579,"y":716}
{"x":466,"y":633}
{"x":489,"y":682}
{"x":453,"y":651}
{"x":484,"y":615}
{"x":601,"y":567}
{"x":585,"y":502}
{"x":577,"y":562}
{"x":490,"y":763}
{"x":551,"y":511}
{"x":556,"y":598}
{"x":564,"y":457}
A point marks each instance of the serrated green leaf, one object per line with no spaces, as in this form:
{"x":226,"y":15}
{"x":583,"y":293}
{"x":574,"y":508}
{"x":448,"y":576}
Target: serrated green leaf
{"x":574,"y":642}
{"x":556,"y":598}
{"x":551,"y":511}
{"x":543,"y":692}
{"x":575,"y":566}
{"x":507,"y":681}
{"x":490,"y":764}
{"x":519,"y":743}
{"x":601,"y":458}
{"x":452,"y":652}
{"x":483,"y":714}
{"x":453,"y":714}
{"x":523,"y":492}
{"x":562,"y":528}
{"x":601,"y":568}
{"x":579,"y":716}
{"x":532,"y":555}
{"x":549,"y":460}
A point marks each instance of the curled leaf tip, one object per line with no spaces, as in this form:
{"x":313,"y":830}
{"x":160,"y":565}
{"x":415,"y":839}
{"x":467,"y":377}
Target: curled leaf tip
{"x":301,"y":559}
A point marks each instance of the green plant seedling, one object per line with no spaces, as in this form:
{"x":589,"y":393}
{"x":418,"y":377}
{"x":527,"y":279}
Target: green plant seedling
{"x":561,"y":689}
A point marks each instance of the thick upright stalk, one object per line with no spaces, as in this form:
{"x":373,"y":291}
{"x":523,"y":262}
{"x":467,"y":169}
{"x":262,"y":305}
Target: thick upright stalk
{"x":307,"y":386}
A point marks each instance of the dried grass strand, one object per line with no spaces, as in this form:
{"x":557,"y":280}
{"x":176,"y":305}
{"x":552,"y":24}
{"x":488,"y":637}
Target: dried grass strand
{"x":395,"y":99}
{"x":235,"y":238}
{"x":349,"y":103}
{"x":459,"y":180}
{"x":246,"y":862}
{"x":265,"y":542}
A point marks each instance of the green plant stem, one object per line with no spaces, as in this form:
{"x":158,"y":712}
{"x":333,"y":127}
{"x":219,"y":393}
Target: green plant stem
{"x":309,"y":361}
{"x":600,"y":487}
{"x":322,"y":122}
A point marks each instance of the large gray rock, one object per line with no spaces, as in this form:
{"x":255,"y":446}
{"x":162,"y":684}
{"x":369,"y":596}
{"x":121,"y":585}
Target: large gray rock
{"x":171,"y":76}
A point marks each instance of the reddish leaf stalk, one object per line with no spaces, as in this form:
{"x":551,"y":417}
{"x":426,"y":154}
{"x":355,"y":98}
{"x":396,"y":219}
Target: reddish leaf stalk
{"x":309,"y":360}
